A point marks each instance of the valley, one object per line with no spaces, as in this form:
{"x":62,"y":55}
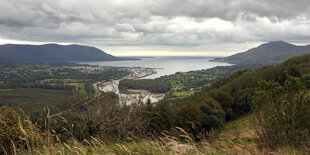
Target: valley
{"x":211,"y":110}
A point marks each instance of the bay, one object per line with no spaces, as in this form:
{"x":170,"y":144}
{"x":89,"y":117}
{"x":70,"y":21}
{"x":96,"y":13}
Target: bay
{"x":165,"y":65}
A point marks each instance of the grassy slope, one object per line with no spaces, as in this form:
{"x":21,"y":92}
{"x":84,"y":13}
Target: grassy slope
{"x":236,"y":137}
{"x":237,"y":129}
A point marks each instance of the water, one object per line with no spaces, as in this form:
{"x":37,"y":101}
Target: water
{"x":112,"y":86}
{"x":165,"y":65}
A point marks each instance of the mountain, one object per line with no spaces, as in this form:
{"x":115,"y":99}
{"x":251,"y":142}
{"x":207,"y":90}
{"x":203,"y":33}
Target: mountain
{"x":266,"y":54}
{"x":52,"y":53}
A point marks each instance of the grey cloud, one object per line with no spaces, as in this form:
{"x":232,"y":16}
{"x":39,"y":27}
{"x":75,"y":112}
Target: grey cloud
{"x":231,"y":9}
{"x":183,"y":23}
{"x":124,"y":27}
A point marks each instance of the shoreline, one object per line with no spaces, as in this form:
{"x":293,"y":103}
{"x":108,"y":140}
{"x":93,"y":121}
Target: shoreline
{"x":112,"y":86}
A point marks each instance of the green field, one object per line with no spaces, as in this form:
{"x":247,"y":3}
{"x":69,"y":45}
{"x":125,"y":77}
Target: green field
{"x":68,"y":80}
{"x":81,"y":89}
{"x":183,"y":93}
{"x":63,"y":73}
{"x":33,"y":100}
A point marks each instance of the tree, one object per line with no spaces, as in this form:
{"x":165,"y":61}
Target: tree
{"x":226,"y":101}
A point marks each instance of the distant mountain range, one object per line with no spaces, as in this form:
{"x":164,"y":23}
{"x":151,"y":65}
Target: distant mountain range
{"x":266,"y":54}
{"x":52,"y":53}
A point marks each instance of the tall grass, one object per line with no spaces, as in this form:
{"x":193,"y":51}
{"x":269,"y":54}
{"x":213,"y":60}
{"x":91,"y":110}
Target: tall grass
{"x":49,"y":142}
{"x":29,"y":139}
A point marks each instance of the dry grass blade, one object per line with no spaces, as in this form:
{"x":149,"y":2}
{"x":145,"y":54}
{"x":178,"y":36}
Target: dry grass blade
{"x":97,"y":141}
{"x":79,"y":148}
{"x":14,"y":147}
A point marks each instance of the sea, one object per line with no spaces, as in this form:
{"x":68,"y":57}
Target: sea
{"x":165,"y":65}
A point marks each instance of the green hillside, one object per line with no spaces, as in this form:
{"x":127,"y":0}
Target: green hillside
{"x":247,"y":91}
{"x":232,"y":97}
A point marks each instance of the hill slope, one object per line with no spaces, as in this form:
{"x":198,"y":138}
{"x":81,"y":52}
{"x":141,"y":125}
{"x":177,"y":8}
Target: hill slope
{"x":269,"y":53}
{"x":52,"y":53}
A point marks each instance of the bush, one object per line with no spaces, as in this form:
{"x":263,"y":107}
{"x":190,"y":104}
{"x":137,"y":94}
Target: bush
{"x":226,"y":101}
{"x":282,"y":114}
{"x":15,"y":132}
{"x":103,"y":118}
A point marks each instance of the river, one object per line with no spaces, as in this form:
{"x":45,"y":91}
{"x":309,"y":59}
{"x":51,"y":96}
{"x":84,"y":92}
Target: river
{"x":141,"y":95}
{"x":163,"y":65}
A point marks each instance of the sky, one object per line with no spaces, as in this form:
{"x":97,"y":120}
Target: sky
{"x":156,"y":27}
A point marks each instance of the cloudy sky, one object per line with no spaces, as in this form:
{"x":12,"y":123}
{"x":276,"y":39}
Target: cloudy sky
{"x":156,"y":27}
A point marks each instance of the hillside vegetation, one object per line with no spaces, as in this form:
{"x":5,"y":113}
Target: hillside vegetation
{"x":253,"y":111}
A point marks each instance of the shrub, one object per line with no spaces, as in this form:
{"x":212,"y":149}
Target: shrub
{"x":15,"y":132}
{"x":226,"y":101}
{"x":282,"y":114}
{"x":109,"y":121}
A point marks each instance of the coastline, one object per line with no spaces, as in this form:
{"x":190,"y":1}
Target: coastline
{"x":136,"y":96}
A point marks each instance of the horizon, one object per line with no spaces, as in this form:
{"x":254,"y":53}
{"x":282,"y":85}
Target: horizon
{"x":140,"y":52}
{"x":165,"y":53}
